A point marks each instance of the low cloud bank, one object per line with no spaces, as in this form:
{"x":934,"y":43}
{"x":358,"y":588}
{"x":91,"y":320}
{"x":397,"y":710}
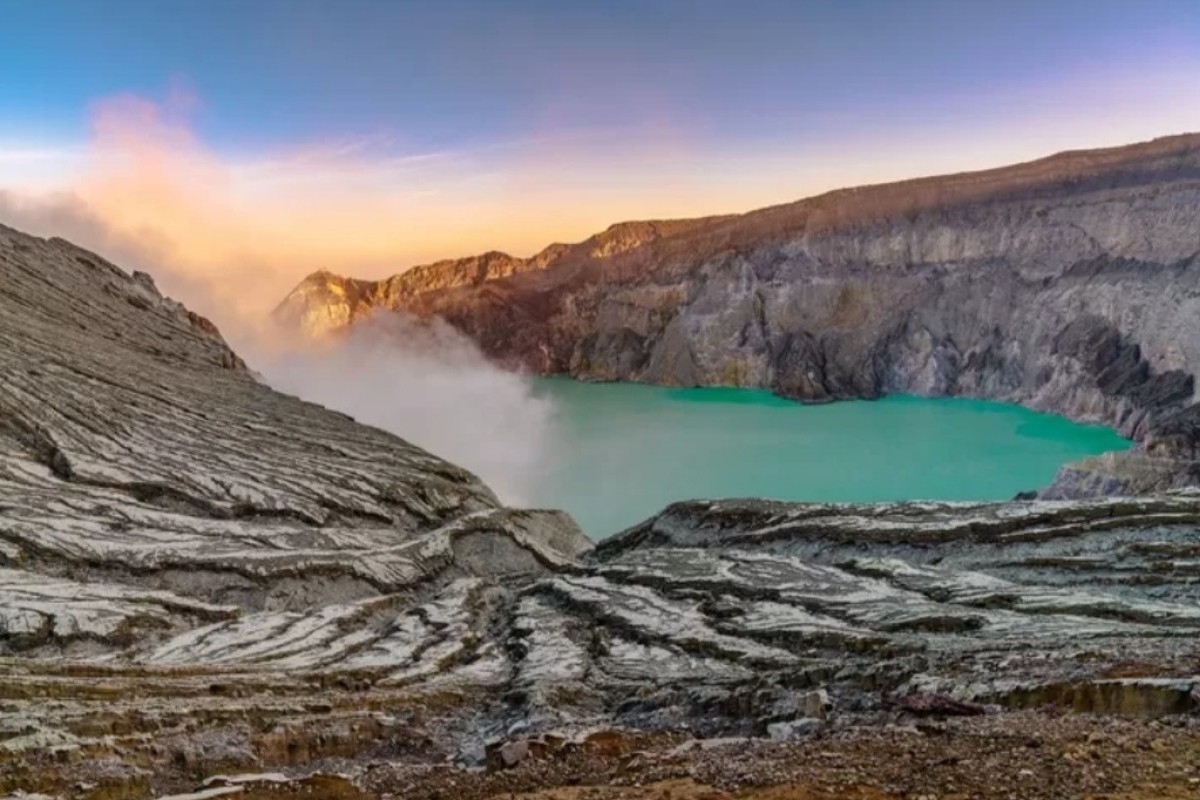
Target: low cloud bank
{"x":427,"y":383}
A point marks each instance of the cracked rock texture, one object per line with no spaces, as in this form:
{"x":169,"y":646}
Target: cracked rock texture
{"x":1069,"y":284}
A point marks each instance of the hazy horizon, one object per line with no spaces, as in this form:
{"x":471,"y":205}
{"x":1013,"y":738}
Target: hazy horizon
{"x":369,"y":138}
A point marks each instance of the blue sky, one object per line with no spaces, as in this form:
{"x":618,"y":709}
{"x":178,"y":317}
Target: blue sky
{"x":432,"y":75}
{"x":272,"y":137}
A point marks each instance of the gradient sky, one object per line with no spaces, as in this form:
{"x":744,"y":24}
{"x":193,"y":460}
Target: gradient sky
{"x":367,"y":136}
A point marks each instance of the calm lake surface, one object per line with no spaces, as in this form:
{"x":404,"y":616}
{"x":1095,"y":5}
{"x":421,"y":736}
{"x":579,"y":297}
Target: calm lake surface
{"x":625,"y":451}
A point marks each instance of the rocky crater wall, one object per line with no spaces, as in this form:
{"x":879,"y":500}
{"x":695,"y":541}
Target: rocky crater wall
{"x":1069,"y":285}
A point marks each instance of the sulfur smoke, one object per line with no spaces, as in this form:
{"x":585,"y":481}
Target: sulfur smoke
{"x":429,"y":384}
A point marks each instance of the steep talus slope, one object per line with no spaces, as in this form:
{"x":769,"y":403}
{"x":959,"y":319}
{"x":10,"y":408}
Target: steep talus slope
{"x":1070,"y":284}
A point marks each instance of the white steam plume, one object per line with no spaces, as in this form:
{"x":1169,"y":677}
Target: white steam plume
{"x":429,"y":384}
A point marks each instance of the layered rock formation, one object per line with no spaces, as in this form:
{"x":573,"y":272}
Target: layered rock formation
{"x":1069,"y":284}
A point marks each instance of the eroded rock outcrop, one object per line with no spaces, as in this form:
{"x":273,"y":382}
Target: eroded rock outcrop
{"x":1068,"y":284}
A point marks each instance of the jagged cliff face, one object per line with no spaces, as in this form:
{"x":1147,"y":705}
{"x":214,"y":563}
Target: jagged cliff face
{"x":1070,"y":284}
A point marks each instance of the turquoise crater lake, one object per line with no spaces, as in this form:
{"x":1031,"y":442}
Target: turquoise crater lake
{"x":624,"y":451}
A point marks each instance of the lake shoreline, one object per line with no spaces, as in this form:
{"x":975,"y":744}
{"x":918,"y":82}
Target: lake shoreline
{"x":625,"y":450}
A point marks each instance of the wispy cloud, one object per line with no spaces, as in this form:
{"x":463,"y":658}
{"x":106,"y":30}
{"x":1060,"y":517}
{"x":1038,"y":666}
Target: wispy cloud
{"x":38,"y":166}
{"x":19,"y":154}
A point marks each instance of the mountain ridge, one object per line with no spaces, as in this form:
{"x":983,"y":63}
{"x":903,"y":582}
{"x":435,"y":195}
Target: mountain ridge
{"x":1068,"y":284}
{"x":1074,"y":159}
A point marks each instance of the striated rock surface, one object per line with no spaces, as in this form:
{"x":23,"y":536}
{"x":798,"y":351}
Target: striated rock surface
{"x":1069,"y":284}
{"x":208,"y":588}
{"x":714,"y":620}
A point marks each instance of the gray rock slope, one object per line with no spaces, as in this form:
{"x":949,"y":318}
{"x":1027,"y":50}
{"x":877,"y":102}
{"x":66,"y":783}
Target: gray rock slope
{"x":201,"y":575}
{"x":1070,"y":284}
{"x":142,"y":464}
